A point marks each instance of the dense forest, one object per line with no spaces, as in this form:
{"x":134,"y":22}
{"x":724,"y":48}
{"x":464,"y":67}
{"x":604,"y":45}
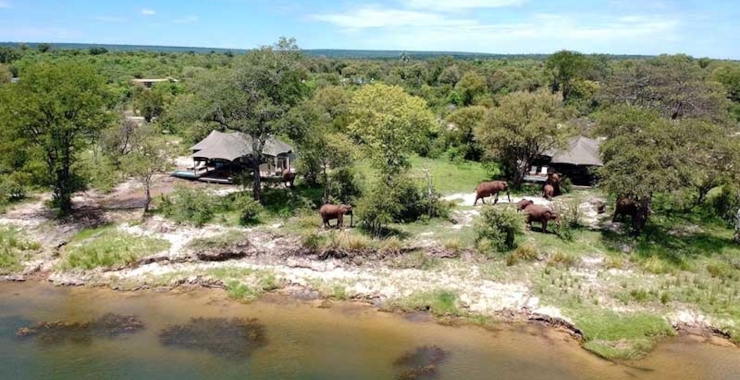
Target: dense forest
{"x":670,"y":122}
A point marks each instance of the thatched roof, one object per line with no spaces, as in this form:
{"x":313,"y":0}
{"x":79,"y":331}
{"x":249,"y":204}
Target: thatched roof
{"x":231,"y":146}
{"x":581,"y":151}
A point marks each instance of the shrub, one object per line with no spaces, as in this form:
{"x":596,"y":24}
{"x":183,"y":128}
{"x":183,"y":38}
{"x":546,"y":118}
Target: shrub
{"x":526,"y":252}
{"x":312,"y":241}
{"x":566,"y":186}
{"x":185,"y":205}
{"x":499,"y":225}
{"x":248,"y":209}
{"x":391,"y":246}
{"x":726,"y":204}
{"x":565,"y":259}
{"x":345,"y":186}
{"x":14,"y":186}
{"x":376,"y":209}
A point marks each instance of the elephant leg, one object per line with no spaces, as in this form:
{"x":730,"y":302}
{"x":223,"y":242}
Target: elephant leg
{"x":544,"y":226}
{"x":340,"y":221}
{"x":495,"y":199}
{"x":476,"y":201}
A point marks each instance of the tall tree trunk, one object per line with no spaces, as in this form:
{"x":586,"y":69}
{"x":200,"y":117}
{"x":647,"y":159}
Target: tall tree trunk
{"x":326,"y":185}
{"x":257,"y":183}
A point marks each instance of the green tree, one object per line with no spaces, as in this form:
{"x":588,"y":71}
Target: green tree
{"x":644,"y":154}
{"x":56,"y":107}
{"x":5,"y":75}
{"x":460,"y":131}
{"x":253,"y":97}
{"x":148,"y":156}
{"x":8,"y":54}
{"x":523,"y":127}
{"x":43,"y":47}
{"x":389,"y":123}
{"x":672,"y":85}
{"x":566,"y":67}
{"x":471,"y":86}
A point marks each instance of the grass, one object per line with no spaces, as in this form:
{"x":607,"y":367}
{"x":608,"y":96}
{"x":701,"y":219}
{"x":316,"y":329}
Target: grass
{"x":620,"y":335}
{"x":415,"y":260}
{"x":441,"y":303}
{"x":13,"y":245}
{"x":108,"y":247}
{"x":246,"y":284}
{"x":222,"y":241}
{"x":449,"y":177}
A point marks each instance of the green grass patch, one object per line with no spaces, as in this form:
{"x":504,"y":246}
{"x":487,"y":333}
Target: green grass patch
{"x":441,"y":303}
{"x":108,"y":247}
{"x":13,"y":245}
{"x":622,"y":336}
{"x":222,"y":241}
{"x":448,"y":177}
{"x":245,"y":284}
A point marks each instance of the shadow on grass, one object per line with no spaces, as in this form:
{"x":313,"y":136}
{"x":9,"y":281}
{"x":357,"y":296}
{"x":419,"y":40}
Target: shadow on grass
{"x":676,"y":239}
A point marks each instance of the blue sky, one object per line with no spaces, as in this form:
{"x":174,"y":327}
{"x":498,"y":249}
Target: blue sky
{"x":697,"y":27}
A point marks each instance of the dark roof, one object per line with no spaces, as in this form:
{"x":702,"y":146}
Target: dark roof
{"x":581,"y":151}
{"x":231,"y":146}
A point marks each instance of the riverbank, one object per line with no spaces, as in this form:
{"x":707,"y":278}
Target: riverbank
{"x":609,"y":305}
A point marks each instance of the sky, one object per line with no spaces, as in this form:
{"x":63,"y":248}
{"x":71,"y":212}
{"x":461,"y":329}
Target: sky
{"x":702,"y":28}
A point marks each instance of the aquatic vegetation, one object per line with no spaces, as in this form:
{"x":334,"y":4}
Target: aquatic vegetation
{"x":59,"y":332}
{"x":420,"y":363}
{"x":234,"y":338}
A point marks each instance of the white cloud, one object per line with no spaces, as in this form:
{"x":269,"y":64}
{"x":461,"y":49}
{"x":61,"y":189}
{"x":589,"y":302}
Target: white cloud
{"x":186,"y":20}
{"x":5,"y":4}
{"x":372,"y":17}
{"x":451,"y":5}
{"x":148,"y":12}
{"x":537,"y":33}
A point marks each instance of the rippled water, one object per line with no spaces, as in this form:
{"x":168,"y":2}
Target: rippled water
{"x":347,"y":341}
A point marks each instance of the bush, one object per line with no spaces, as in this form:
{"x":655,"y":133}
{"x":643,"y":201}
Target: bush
{"x":499,"y":226}
{"x":14,"y":186}
{"x":185,"y":205}
{"x":345,"y":187}
{"x":726,"y":204}
{"x":376,"y":209}
{"x":526,"y":252}
{"x":248,"y":209}
{"x":404,"y":201}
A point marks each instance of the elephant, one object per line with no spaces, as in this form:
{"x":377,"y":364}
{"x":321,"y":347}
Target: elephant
{"x":548,"y":192}
{"x":553,"y":180}
{"x":329,"y":212}
{"x":487,"y":189}
{"x":636,"y":210}
{"x":540,"y":214}
{"x":289,"y":176}
{"x":524,"y":203}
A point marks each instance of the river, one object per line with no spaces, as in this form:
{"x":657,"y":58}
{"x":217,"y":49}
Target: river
{"x":303,"y":341}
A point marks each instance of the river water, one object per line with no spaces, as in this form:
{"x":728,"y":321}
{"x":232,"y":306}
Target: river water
{"x":303,"y":341}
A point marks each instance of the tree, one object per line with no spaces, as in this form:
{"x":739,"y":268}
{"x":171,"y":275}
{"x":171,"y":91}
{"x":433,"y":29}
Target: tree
{"x":43,"y":47}
{"x":523,"y":127}
{"x":643,"y":155}
{"x":151,"y":103}
{"x":450,"y":75}
{"x":253,"y":97}
{"x":8,"y":54}
{"x":470,"y":87}
{"x":56,"y":108}
{"x":671,"y":85}
{"x":460,"y":131}
{"x":389,"y":123}
{"x":5,"y":74}
{"x":116,"y":141}
{"x":564,"y":68}
{"x":147,"y":157}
